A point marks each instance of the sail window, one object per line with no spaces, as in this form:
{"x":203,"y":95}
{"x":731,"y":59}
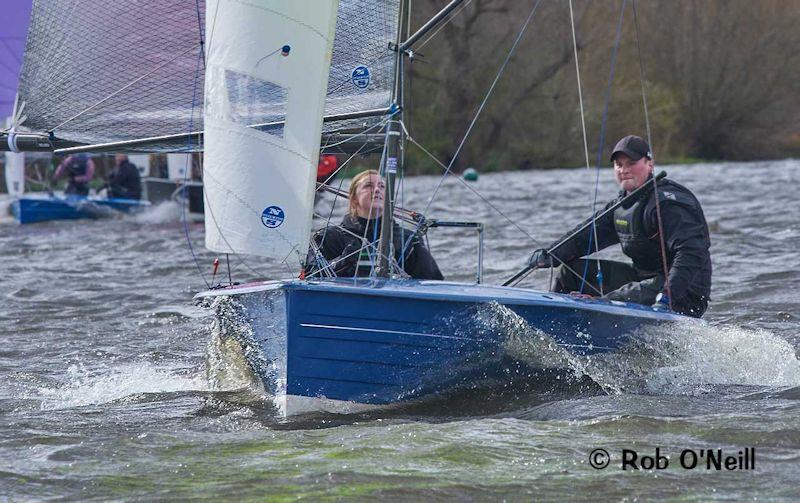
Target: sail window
{"x":257,"y":103}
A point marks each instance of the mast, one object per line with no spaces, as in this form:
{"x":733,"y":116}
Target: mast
{"x":393,"y":160}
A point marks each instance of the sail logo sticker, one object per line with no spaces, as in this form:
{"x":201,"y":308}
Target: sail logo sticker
{"x":272,"y":216}
{"x":391,"y":165}
{"x":360,"y":77}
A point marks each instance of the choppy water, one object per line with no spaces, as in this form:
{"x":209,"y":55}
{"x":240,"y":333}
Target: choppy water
{"x":104,"y":393}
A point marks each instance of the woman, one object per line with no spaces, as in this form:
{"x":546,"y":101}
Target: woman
{"x":350,"y":249}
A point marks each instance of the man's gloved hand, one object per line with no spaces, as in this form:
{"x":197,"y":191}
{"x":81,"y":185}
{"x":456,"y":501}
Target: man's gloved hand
{"x":540,"y":259}
{"x":662,"y":302}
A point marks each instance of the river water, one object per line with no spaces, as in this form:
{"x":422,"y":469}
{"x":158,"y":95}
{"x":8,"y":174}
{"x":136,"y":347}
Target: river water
{"x":104,"y":393}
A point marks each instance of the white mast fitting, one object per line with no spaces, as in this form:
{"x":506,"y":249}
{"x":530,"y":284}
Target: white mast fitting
{"x":266,"y":60}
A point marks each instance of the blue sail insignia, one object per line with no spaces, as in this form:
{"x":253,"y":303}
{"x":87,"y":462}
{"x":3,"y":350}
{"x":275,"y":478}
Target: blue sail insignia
{"x":361,"y":77}
{"x":272,"y":216}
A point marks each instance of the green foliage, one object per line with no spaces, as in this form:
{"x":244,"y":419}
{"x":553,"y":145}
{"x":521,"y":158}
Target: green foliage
{"x":721,"y":79}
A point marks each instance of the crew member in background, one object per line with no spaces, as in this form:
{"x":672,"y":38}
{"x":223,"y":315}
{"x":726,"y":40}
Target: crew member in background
{"x":124,"y":182}
{"x":80,"y":170}
{"x":635,"y":225}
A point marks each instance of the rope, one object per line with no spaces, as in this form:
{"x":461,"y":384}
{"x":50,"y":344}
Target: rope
{"x":601,"y":142}
{"x":650,"y":142}
{"x":593,"y":235}
{"x":578,"y":75}
{"x":495,"y":208}
{"x":186,"y":173}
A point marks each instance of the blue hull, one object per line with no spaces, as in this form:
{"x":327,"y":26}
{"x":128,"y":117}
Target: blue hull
{"x":337,"y":342}
{"x":30,"y":210}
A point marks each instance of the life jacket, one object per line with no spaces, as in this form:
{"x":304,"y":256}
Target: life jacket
{"x":639,"y":238}
{"x":77,"y":166}
{"x":367,"y":260}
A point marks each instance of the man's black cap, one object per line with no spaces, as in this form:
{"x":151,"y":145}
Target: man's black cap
{"x":633,"y":146}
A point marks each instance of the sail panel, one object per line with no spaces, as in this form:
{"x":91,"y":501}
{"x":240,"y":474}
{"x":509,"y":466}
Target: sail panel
{"x":362,"y":69}
{"x":266,"y":59}
{"x":98,"y":71}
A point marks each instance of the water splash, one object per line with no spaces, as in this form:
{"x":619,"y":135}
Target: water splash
{"x":162,"y":213}
{"x":5,"y":209}
{"x":678,"y":358}
{"x":688,"y":357}
{"x":227,"y":368}
{"x":95,"y":387}
{"x":234,"y":360}
{"x":522,"y":342}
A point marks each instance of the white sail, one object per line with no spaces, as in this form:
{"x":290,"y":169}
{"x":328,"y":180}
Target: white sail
{"x":264,"y":57}
{"x":15,"y":173}
{"x":142,"y":163}
{"x":178,"y":165}
{"x":15,"y":170}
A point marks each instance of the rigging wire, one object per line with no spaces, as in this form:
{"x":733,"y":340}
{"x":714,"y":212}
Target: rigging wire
{"x":650,"y":142}
{"x":492,"y":206}
{"x":374,"y":258}
{"x":186,"y":175}
{"x":208,"y":208}
{"x":593,"y":234}
{"x":123,"y":88}
{"x":200,"y":28}
{"x":406,"y":103}
{"x":445,"y":23}
{"x":483,"y":103}
{"x":601,"y":142}
{"x":641,"y":76}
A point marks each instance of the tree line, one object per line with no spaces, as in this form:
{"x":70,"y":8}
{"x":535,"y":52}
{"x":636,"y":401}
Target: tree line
{"x":721,"y":80}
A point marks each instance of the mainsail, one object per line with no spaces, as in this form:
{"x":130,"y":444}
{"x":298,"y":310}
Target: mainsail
{"x":104,"y":72}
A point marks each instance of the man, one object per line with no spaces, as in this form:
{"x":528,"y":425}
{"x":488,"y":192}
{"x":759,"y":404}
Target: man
{"x":80,"y":170}
{"x":635,"y":225}
{"x":124,"y":182}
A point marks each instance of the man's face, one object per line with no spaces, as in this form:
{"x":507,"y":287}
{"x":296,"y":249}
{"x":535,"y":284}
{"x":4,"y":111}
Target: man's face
{"x":631,"y":174}
{"x":369,"y":197}
{"x":119,"y":158}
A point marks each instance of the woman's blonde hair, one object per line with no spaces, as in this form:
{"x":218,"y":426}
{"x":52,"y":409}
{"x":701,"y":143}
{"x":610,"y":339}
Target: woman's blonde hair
{"x":358,"y":180}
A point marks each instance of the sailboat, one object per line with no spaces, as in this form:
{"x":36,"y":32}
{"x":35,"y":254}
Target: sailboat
{"x":283,"y":81}
{"x":43,"y":206}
